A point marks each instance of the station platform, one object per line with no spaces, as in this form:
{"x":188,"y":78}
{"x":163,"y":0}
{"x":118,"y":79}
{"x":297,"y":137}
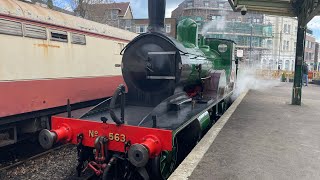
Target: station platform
{"x":261,"y":136}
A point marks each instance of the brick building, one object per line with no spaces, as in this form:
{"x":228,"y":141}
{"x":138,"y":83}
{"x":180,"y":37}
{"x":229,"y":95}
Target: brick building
{"x":141,"y":26}
{"x":310,"y":49}
{"x":120,"y":15}
{"x":113,"y":14}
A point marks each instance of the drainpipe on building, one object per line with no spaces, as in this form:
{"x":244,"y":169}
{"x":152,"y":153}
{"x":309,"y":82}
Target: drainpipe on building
{"x":250,"y":54}
{"x":280,"y":45}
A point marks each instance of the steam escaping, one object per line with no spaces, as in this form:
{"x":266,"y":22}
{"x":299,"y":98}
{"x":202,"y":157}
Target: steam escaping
{"x":247,"y":79}
{"x":215,"y":25}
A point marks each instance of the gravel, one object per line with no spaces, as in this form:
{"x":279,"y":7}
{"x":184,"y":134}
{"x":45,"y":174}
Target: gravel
{"x":59,"y":164}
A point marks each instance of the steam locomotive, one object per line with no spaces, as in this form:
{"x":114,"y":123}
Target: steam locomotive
{"x":176,"y":90}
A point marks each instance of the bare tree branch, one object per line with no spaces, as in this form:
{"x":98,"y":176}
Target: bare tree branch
{"x":81,"y":6}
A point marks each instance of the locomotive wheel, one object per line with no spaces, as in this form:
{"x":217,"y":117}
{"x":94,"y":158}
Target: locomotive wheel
{"x":164,"y":165}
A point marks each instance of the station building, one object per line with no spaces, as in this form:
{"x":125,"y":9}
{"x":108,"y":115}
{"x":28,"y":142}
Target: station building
{"x":284,"y":45}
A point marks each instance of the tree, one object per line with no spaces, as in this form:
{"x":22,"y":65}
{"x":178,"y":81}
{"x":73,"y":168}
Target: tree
{"x":50,"y":4}
{"x":81,"y":6}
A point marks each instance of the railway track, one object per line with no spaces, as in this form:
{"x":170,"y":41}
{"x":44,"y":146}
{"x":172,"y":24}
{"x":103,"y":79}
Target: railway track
{"x":20,"y":162}
{"x":56,"y":163}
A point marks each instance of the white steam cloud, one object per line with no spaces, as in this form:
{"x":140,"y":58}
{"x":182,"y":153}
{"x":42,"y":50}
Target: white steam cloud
{"x":247,"y":80}
{"x":217,"y":24}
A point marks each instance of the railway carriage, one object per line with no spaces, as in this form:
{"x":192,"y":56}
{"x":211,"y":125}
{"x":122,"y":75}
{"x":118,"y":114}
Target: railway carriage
{"x":49,"y":59}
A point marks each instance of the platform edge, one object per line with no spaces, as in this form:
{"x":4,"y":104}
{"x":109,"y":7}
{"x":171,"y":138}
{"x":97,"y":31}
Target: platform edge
{"x":185,"y":169}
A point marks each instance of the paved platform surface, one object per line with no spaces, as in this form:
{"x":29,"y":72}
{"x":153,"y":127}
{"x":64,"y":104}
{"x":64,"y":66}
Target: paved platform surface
{"x":267,"y":138}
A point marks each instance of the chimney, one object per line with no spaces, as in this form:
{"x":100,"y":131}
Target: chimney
{"x":157,"y":11}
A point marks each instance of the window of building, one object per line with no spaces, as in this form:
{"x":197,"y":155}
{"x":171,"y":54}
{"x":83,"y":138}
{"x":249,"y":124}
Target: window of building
{"x":286,"y":45}
{"x":206,"y":3}
{"x":285,"y":28}
{"x":289,"y":29}
{"x":189,"y":4}
{"x":114,"y":14}
{"x":168,"y":28}
{"x":141,"y":28}
{"x":216,"y":17}
{"x":255,"y":20}
{"x":269,"y":43}
{"x":128,"y":25}
{"x":128,"y":28}
{"x":59,"y":36}
{"x":221,"y":5}
{"x":287,"y":65}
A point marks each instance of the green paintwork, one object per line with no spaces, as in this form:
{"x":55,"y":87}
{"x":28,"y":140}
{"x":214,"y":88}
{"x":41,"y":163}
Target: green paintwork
{"x":224,"y":62}
{"x":204,"y":120}
{"x":187,"y":33}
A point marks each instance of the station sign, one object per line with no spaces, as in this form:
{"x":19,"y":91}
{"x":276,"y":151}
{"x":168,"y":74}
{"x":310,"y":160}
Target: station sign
{"x":240,"y":53}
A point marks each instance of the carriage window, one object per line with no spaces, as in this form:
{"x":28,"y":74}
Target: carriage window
{"x":35,"y":31}
{"x":78,"y":39}
{"x":10,"y":27}
{"x":59,"y":36}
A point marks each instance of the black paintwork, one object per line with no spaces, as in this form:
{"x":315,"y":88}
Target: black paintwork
{"x":169,"y":119}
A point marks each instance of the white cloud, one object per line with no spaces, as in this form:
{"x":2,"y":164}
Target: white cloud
{"x":314,"y":23}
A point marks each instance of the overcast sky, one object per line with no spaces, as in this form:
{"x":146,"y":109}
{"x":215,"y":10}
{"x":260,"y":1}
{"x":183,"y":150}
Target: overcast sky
{"x":140,"y":7}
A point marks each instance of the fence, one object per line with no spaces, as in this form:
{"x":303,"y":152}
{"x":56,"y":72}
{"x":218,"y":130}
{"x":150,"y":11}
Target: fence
{"x":286,"y":75}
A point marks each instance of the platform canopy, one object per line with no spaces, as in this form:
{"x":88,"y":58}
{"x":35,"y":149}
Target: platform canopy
{"x":304,"y":9}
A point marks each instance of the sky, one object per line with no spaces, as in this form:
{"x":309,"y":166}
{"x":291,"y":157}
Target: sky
{"x":139,"y":7}
{"x":140,"y":10}
{"x":314,"y":25}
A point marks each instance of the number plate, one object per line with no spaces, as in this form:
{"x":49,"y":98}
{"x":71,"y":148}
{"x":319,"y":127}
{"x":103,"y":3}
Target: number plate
{"x":117,"y":137}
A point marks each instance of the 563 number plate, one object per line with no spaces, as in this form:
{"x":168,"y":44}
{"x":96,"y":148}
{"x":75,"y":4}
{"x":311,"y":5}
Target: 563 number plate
{"x":117,"y":137}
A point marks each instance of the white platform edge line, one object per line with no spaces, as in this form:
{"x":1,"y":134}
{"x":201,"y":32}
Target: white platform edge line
{"x":188,"y":165}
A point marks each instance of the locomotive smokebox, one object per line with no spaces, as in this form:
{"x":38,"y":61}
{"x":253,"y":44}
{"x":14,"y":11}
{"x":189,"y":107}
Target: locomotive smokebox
{"x":157,"y":11}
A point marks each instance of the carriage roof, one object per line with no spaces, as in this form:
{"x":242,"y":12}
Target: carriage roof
{"x":34,"y":12}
